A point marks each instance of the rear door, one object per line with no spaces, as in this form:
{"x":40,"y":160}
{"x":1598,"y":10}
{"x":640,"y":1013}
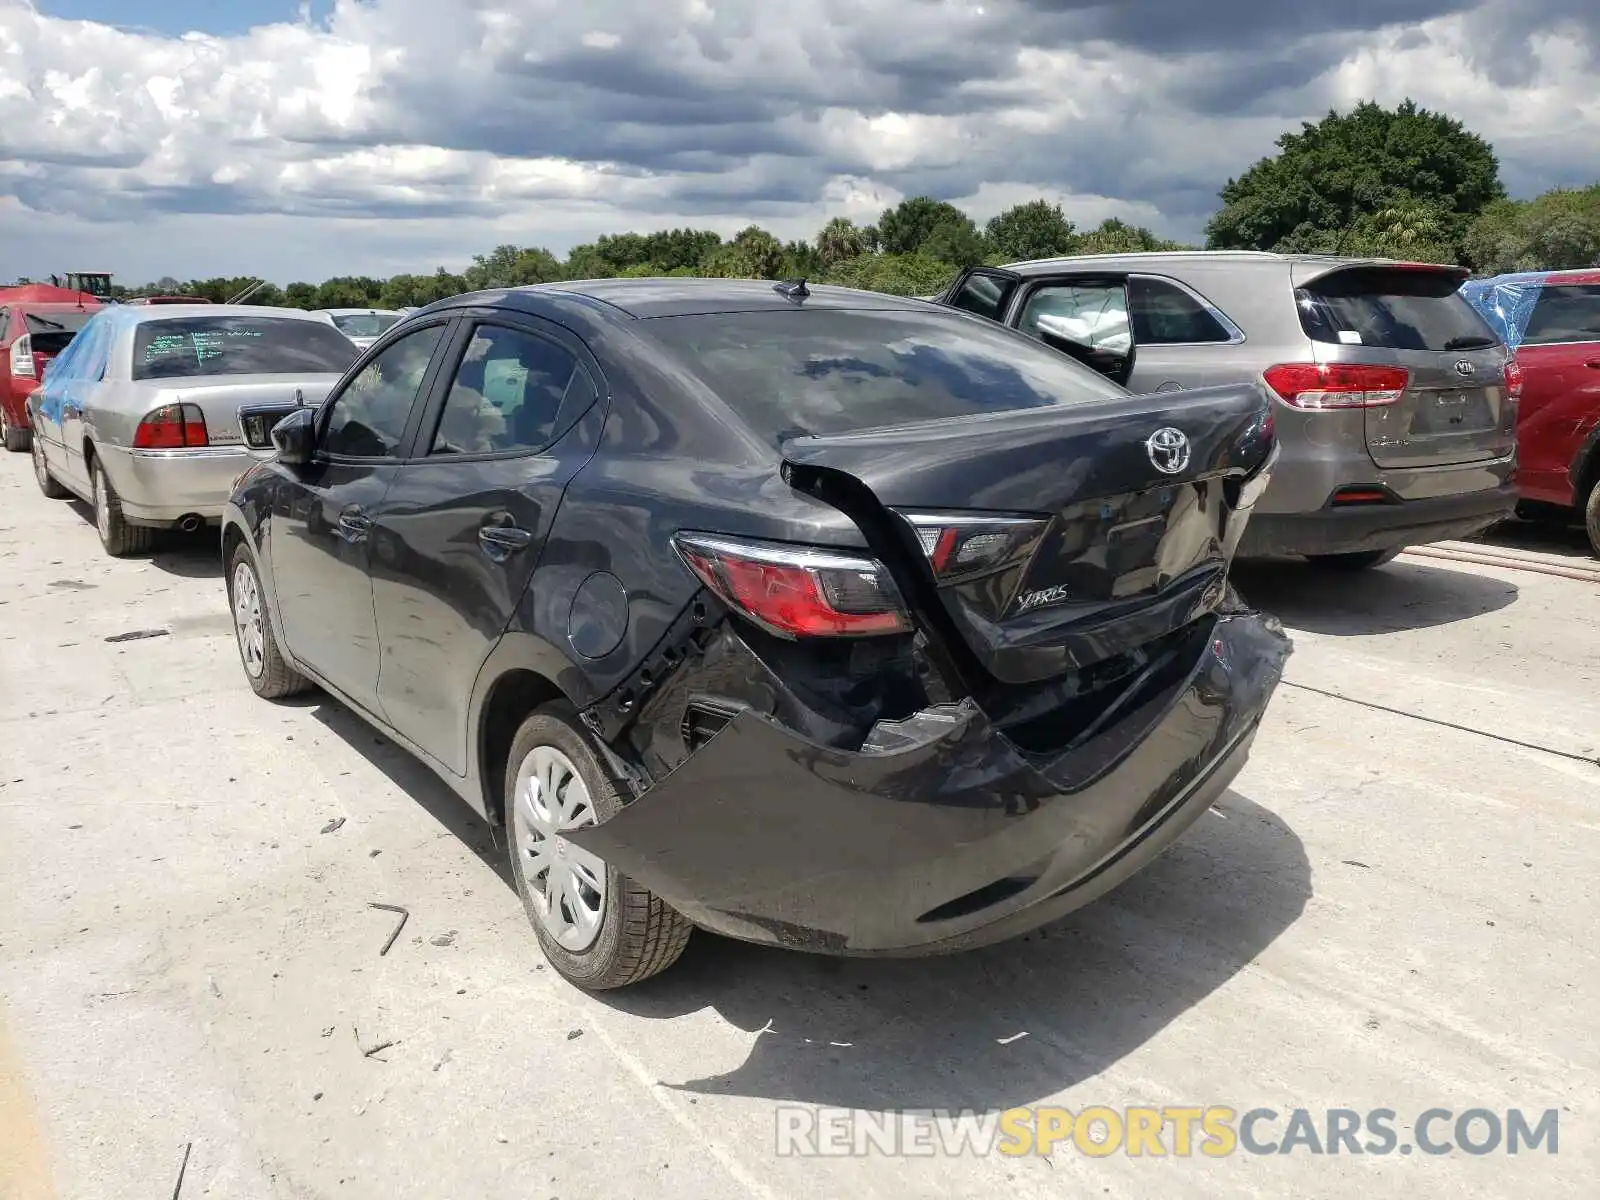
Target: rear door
{"x":458,"y":534}
{"x":1560,"y":357}
{"x":1454,"y":408}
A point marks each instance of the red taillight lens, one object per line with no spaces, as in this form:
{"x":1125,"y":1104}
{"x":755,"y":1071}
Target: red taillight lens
{"x":1317,"y":387}
{"x":797,"y":591}
{"x":1514,"y":377}
{"x":172,"y":427}
{"x":967,"y":545}
{"x":22,"y":363}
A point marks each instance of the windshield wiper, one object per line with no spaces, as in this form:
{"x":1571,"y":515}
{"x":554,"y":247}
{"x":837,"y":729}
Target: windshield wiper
{"x":36,"y":319}
{"x":1470,"y":341}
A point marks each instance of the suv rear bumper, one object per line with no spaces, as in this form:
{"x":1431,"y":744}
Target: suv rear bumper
{"x":1358,"y":528}
{"x":952,"y":837}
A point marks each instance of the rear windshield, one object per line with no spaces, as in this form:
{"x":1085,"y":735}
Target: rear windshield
{"x":823,"y":371}
{"x":1392,"y":310}
{"x":238,"y":345}
{"x":49,"y":332}
{"x":364,"y":324}
{"x":1567,"y":313}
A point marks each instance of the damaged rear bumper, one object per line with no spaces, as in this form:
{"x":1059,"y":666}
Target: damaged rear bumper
{"x":941,"y":834}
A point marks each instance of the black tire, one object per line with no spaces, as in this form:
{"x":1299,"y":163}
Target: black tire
{"x":1591,"y":519}
{"x":41,"y":473}
{"x":119,"y":538}
{"x":640,"y":935}
{"x":17,"y":438}
{"x":1364,"y":560}
{"x":272,"y":677}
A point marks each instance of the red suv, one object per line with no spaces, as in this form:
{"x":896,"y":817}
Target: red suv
{"x":32,"y":332}
{"x":1552,"y":320}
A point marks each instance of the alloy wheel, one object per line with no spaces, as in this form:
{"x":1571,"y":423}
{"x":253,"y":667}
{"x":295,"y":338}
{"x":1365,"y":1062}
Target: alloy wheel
{"x":567,"y":884}
{"x":247,"y":620}
{"x":41,"y":470}
{"x":102,"y":505}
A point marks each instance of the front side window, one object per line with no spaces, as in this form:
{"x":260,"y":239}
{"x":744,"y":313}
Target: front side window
{"x":368,"y":418}
{"x":180,"y":347}
{"x":507,"y":393}
{"x":1565,"y":313}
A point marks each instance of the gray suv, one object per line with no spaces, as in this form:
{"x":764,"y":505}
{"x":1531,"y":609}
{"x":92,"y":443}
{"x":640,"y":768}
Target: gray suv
{"x":1395,"y":404}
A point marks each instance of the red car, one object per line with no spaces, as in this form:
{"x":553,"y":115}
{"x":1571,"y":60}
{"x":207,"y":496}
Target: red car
{"x":1551,"y":319}
{"x":36,"y":323}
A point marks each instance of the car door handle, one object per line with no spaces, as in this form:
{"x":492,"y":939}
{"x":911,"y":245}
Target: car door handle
{"x":500,"y":540}
{"x":1593,"y":364}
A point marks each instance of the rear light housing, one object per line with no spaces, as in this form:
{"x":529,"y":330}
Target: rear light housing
{"x":1514,"y":379}
{"x":960,"y":546}
{"x":1357,"y":495}
{"x":22,"y":358}
{"x":1322,"y":387}
{"x":172,"y":427}
{"x":797,"y":591}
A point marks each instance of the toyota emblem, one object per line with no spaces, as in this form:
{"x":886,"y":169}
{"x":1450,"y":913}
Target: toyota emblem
{"x":1464,"y":368}
{"x":1168,"y":449}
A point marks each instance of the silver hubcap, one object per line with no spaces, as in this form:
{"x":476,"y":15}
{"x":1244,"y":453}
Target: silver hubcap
{"x":567,"y":885}
{"x":39,"y":468}
{"x":102,"y":507}
{"x":247,"y":620}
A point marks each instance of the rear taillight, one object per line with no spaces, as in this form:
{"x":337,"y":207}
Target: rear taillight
{"x":1514,"y":377}
{"x":966,"y":545}
{"x":1317,"y":387}
{"x":22,"y":358}
{"x":172,"y":427}
{"x":797,"y":591}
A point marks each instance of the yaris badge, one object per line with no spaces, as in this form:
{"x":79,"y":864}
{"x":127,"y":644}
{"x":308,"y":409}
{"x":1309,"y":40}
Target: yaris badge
{"x":1168,"y":449}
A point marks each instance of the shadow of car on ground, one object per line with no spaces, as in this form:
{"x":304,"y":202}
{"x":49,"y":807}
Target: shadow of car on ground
{"x":1398,"y":596}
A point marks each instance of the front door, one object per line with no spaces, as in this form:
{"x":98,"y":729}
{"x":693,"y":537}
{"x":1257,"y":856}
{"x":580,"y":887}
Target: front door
{"x":1084,"y":317}
{"x":319,"y":537}
{"x":1560,"y":359}
{"x":460,"y":532}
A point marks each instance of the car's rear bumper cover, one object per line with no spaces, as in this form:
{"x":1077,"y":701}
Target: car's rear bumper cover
{"x":954,"y":839}
{"x":1358,"y":528}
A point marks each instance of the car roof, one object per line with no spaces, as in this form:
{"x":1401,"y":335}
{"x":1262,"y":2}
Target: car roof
{"x":1245,"y":259}
{"x":359,"y":312}
{"x":140,"y":314}
{"x":674,"y":297}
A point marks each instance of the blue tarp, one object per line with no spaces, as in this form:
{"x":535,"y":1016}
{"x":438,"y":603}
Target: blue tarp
{"x":97,"y":334}
{"x":1506,"y":302}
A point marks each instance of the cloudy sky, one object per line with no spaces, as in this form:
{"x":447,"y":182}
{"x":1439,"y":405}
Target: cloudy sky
{"x":299,"y":140}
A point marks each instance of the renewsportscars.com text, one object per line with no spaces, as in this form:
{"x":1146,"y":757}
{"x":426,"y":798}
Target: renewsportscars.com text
{"x":1214,"y":1131}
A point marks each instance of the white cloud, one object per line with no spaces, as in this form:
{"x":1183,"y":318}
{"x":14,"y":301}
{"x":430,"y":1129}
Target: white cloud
{"x":410,"y":127}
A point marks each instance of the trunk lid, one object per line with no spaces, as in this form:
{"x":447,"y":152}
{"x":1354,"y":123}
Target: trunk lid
{"x":240,"y":410}
{"x":1455,"y":408}
{"x":1135,"y":498}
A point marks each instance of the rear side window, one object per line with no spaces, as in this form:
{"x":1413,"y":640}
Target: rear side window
{"x":792,"y":372}
{"x":1391,"y":310}
{"x":507,"y":393}
{"x":984,"y":295}
{"x":1164,"y":314}
{"x":1567,"y":313}
{"x":177,"y":347}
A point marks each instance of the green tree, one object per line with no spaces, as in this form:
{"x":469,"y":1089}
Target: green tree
{"x":896,"y":274}
{"x":1406,"y":229}
{"x":512,"y":266}
{"x":1328,"y":176}
{"x":801,"y":260}
{"x":905,"y":228}
{"x":1116,"y":236}
{"x":342,"y":291}
{"x":1557,"y":231}
{"x":752,"y":254}
{"x":956,"y":242}
{"x":300,"y":295}
{"x":841,"y":239}
{"x":1037,"y":229}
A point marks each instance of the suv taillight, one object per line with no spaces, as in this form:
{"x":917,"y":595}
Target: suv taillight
{"x":1317,"y":387}
{"x":172,"y":427}
{"x":797,"y":591}
{"x":22,"y":357}
{"x":1514,"y":377}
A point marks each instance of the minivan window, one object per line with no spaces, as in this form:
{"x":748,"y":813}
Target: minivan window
{"x":1566,"y":313}
{"x":175,"y":347}
{"x":790,"y":372}
{"x":1391,"y":310}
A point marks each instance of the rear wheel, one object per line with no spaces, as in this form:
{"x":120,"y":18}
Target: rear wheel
{"x":597,"y":927}
{"x":1362,"y":561}
{"x":41,"y":473}
{"x":119,"y":538}
{"x":17,"y":438}
{"x":270,"y":676}
{"x":1591,"y":519}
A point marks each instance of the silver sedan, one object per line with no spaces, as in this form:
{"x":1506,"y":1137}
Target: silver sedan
{"x":152,"y":412}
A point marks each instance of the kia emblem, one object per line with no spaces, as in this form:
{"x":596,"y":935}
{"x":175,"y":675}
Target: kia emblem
{"x":1464,"y":368}
{"x":1168,"y":449}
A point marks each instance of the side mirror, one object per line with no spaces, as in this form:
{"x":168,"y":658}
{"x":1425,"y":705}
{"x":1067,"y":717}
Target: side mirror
{"x":296,"y":437}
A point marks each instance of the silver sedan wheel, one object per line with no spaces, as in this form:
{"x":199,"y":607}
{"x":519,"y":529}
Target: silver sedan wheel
{"x":41,"y":469}
{"x":567,"y":885}
{"x":102,"y":506}
{"x":247,"y":620}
